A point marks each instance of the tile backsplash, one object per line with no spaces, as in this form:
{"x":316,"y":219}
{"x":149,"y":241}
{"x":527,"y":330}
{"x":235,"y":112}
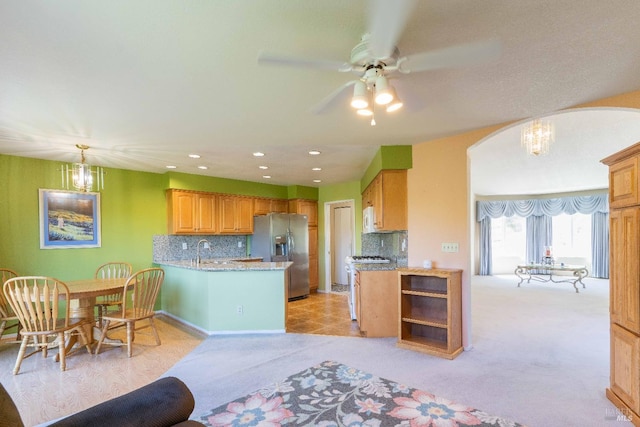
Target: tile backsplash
{"x":170,"y":247}
{"x":389,"y":245}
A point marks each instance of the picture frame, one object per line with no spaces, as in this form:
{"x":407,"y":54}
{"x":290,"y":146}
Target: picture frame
{"x":69,"y":219}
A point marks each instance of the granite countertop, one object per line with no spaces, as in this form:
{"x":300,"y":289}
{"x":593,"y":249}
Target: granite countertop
{"x":228,"y":264}
{"x":375,"y":267}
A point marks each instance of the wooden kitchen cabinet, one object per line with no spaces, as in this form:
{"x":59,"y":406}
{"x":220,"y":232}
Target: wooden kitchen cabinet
{"x":305,"y":207}
{"x":387,"y":193}
{"x":236,"y":214}
{"x":430,"y":308}
{"x":624,"y":281}
{"x":191,"y":212}
{"x":377,"y":303}
{"x":263,"y":206}
{"x":310,"y":209}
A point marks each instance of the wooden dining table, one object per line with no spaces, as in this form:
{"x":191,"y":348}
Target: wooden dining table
{"x":82,"y":300}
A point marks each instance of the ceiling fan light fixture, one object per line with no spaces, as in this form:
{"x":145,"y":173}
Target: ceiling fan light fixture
{"x":383,"y":92}
{"x":367,"y":112}
{"x":360,"y":97}
{"x":395,"y":104}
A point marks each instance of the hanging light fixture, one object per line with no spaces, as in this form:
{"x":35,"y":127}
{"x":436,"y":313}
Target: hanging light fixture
{"x":373,"y":88}
{"x":360,"y":96}
{"x":83,"y":176}
{"x":537,"y":136}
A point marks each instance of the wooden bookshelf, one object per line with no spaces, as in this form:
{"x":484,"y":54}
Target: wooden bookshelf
{"x":430,"y":307}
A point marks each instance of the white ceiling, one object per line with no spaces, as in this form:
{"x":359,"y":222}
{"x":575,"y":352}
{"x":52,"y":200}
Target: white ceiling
{"x":146,"y":82}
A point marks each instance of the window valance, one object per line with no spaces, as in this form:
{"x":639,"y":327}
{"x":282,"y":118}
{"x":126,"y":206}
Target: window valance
{"x":539,"y":207}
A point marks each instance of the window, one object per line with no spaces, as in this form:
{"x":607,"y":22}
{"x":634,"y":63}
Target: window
{"x":572,"y":236}
{"x":508,"y":237}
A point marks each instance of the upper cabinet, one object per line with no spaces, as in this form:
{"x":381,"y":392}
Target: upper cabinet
{"x":191,"y":212}
{"x":387,"y":193}
{"x":236,"y":214}
{"x":305,"y":207}
{"x":263,"y":206}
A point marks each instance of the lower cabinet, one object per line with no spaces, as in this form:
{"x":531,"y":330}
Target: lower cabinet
{"x":625,"y":370}
{"x":430,"y":310}
{"x":377,"y":303}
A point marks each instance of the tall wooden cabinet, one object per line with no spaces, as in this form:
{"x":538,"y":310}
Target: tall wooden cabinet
{"x":387,"y":193}
{"x":310,"y":209}
{"x":624,"y":281}
{"x":430,"y":309}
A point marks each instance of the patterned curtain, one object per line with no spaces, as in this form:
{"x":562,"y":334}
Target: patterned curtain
{"x":485,"y":247}
{"x":600,"y":245}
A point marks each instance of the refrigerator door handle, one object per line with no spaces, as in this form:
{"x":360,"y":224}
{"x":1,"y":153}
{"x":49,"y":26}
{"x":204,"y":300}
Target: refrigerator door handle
{"x":292,"y":242}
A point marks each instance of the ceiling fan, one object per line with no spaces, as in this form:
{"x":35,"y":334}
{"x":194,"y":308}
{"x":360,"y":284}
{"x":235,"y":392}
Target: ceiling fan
{"x":376,"y":59}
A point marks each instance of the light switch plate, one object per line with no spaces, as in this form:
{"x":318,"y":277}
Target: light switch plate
{"x":449,"y":247}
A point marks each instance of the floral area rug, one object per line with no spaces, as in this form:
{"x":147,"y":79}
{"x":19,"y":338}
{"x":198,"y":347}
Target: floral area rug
{"x":331,"y":394}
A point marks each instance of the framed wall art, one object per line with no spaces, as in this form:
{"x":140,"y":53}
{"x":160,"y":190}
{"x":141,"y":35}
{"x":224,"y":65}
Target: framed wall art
{"x":69,"y":219}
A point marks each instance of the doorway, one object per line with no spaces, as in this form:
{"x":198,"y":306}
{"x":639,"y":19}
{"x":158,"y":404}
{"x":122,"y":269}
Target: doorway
{"x":341,"y":243}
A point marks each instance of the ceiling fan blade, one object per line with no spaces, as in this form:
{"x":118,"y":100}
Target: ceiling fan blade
{"x":387,"y":20}
{"x":450,"y":57}
{"x":291,"y":61}
{"x":333,"y":98}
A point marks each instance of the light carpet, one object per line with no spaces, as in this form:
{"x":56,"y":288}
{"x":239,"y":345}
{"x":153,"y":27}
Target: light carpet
{"x":540,"y":357}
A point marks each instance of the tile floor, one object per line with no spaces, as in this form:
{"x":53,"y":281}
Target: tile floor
{"x":322,"y":314}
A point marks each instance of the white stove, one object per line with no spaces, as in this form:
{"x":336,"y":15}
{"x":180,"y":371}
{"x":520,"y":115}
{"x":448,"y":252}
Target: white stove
{"x":351,"y":272}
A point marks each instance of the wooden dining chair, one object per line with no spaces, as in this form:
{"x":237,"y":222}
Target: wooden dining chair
{"x":6,"y":312}
{"x":42,"y":307}
{"x":143,"y":287}
{"x":110,"y":270}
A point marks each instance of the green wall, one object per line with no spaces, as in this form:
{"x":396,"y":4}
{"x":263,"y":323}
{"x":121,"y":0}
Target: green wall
{"x":334,"y":193}
{"x":132,"y":211}
{"x":387,"y":157}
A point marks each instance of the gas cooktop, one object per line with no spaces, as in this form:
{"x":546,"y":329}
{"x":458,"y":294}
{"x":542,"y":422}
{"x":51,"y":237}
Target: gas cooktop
{"x":367,"y":259}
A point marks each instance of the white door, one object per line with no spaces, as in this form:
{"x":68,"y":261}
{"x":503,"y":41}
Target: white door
{"x":342,"y":237}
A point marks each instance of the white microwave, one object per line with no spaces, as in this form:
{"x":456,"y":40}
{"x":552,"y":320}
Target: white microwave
{"x":368,"y":220}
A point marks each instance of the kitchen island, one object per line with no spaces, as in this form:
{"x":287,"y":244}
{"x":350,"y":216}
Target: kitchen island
{"x":224,"y":296}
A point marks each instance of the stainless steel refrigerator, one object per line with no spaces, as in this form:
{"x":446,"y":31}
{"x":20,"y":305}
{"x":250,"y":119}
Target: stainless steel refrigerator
{"x":284,"y":237}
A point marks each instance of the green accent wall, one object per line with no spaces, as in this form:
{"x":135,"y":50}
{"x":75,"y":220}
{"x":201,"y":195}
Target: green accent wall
{"x":387,"y":157}
{"x":132,"y":211}
{"x":334,"y":193}
{"x":302,"y":192}
{"x":185,"y":181}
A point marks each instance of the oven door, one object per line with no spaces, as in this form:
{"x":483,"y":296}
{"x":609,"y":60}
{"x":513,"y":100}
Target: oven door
{"x":351,"y":279}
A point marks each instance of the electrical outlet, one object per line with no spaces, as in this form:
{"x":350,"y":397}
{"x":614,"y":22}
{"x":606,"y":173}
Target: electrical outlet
{"x":449,"y":247}
{"x":239,"y":310}
{"x":240,"y":243}
{"x":205,"y":245}
{"x":184,"y":245}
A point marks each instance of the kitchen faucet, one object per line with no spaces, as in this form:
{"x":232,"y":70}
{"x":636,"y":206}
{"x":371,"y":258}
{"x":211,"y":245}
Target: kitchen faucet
{"x":205,"y":245}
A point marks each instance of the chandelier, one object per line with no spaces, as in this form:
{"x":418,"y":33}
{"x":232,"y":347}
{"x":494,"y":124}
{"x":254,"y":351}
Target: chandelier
{"x":537,"y":136}
{"x":82,"y":176}
{"x":373,"y":88}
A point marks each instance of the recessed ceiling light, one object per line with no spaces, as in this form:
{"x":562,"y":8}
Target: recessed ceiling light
{"x":171,"y":167}
{"x":314,"y":152}
{"x":317,"y":180}
{"x":316,"y":169}
{"x":258,"y":154}
{"x":194,"y":156}
{"x":263,"y":167}
{"x":203,"y":167}
{"x":266,"y":176}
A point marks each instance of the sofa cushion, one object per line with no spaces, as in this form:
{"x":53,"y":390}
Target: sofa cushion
{"x":9,"y":415}
{"x":165,"y":402}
